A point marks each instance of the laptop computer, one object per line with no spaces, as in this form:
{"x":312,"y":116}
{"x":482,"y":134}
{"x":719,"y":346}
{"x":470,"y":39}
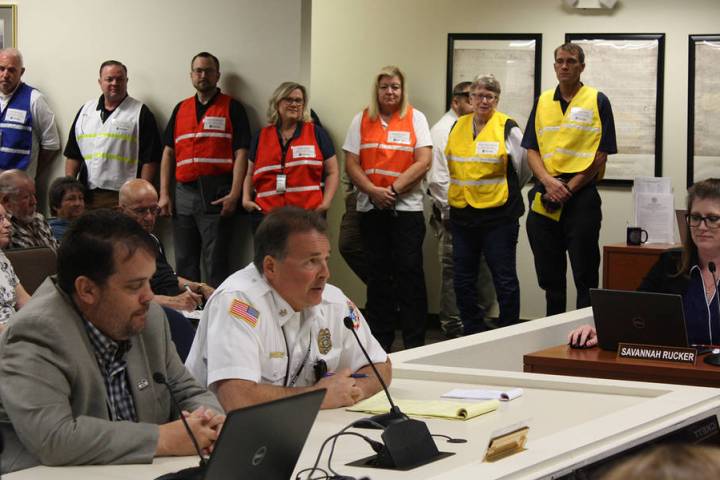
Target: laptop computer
{"x":638,"y":317}
{"x":260,"y":441}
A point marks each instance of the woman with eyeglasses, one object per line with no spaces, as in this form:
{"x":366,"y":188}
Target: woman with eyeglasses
{"x":388,"y":150}
{"x":292,"y":160}
{"x":488,"y":166}
{"x":690,"y":271}
{"x":12,"y":294}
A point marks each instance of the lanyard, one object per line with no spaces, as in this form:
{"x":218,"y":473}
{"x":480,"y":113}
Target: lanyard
{"x":302,"y":365}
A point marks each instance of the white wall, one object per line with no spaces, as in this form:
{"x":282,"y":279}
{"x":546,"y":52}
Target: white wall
{"x":352,"y":39}
{"x":259,"y":45}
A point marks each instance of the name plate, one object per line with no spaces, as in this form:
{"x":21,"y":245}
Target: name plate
{"x":507,"y":441}
{"x":654,"y":352}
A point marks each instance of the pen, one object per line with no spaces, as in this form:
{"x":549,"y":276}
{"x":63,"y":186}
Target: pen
{"x":352,"y":375}
{"x":187,"y":287}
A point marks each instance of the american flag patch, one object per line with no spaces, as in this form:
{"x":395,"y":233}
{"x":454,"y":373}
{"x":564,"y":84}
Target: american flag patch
{"x":353,"y":314}
{"x":245,"y":312}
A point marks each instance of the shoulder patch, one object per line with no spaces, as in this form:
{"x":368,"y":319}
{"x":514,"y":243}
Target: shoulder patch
{"x":244,"y":312}
{"x":354,"y":314}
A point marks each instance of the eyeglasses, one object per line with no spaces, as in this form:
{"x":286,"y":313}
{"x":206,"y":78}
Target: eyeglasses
{"x":293,"y":100}
{"x":206,"y":71}
{"x":482,"y":98}
{"x":142,"y":211}
{"x":711,"y":221}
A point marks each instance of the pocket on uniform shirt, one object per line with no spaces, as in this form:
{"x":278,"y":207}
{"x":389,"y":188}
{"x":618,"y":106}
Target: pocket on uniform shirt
{"x":273,"y":369}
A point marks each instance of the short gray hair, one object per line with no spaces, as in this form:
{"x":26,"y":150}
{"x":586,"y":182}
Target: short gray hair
{"x":13,"y":52}
{"x":488,"y":82}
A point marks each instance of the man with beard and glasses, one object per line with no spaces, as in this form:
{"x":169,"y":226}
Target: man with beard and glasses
{"x":77,"y":362}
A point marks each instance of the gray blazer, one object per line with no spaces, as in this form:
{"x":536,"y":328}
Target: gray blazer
{"x":53,"y":393}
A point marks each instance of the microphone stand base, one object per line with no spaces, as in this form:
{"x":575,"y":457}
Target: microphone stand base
{"x":374,"y":461}
{"x":384,"y":419}
{"x":713,"y":359}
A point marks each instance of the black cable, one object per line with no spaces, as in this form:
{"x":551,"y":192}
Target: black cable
{"x":322,"y":447}
{"x":449,"y":438}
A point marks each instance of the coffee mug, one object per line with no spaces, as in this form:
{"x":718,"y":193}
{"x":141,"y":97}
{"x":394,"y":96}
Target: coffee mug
{"x":636,"y":236}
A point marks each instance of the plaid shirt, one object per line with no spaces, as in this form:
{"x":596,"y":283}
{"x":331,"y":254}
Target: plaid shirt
{"x":111,"y":358}
{"x":37,"y":233}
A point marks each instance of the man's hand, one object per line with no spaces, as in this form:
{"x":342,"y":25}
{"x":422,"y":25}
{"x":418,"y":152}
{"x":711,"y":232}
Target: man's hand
{"x":382,"y":197}
{"x":556,"y":190}
{"x":229,"y":204}
{"x":187,"y":301}
{"x":341,"y":390}
{"x":165,"y":205}
{"x":583,"y":336}
{"x":174,"y":440}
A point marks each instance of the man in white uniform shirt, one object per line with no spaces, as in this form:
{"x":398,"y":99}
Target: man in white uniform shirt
{"x":275,"y":328}
{"x":438,"y":183}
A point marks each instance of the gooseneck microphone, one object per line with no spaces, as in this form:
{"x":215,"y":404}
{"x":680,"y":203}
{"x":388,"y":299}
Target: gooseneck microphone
{"x":160,"y":378}
{"x":385,"y":419}
{"x":713,"y":359}
{"x":408,"y":443}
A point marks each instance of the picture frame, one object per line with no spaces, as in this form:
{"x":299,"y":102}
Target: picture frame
{"x":8,"y":26}
{"x":703,"y":144}
{"x":629,"y":69}
{"x":514,"y":59}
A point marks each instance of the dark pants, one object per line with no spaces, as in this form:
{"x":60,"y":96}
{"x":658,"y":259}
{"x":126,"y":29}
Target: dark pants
{"x":499,"y":246}
{"x":577,"y":232}
{"x":350,"y":241}
{"x":200,"y":235}
{"x":393,"y":245}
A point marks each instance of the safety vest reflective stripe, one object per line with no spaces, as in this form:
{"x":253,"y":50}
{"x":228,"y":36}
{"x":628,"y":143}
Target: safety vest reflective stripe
{"x":377,"y":171}
{"x":484,"y":181}
{"x":455,"y":158}
{"x":573,"y":153}
{"x":383,"y":146}
{"x":548,"y":129}
{"x":207,"y":161}
{"x":297,"y":163}
{"x":309,"y":188}
{"x":109,"y":156}
{"x":14,"y":150}
{"x":117,"y":136}
{"x":202,"y":134}
{"x":15,"y":126}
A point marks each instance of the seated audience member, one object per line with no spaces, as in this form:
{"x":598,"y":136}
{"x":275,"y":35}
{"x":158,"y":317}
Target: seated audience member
{"x":12,"y":294}
{"x":687,"y":273}
{"x":275,"y":327}
{"x":139,"y":199}
{"x":77,"y":362}
{"x":670,"y":462}
{"x":29,"y":228}
{"x":67,"y":202}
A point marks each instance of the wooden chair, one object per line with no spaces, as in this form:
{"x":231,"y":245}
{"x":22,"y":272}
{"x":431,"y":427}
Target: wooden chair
{"x":32,"y":265}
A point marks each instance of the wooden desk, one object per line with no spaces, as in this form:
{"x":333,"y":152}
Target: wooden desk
{"x":625,"y":266}
{"x":597,"y":363}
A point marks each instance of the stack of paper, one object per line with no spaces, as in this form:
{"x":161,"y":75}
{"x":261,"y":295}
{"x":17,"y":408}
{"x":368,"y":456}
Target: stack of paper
{"x":654,"y":208}
{"x":378,"y":403}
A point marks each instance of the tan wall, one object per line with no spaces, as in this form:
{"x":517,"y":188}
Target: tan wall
{"x":352,"y":39}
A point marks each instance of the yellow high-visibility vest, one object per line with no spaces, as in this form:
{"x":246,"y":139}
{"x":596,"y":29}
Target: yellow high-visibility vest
{"x":478,"y":167}
{"x":568,"y":142}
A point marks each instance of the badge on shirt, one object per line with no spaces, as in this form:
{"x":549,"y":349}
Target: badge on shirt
{"x":398,"y":137}
{"x":244,"y":312}
{"x":324,"y":341}
{"x":143,"y":384}
{"x":15,"y":115}
{"x":303,"y":151}
{"x":122,"y":125}
{"x":214,"y":123}
{"x":582,"y":115}
{"x":277,"y":354}
{"x":487,"y":148}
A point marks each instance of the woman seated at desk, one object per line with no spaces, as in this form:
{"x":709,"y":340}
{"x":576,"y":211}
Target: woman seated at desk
{"x":689,"y":272}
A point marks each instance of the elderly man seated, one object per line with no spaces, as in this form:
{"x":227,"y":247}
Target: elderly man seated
{"x":78,"y":362}
{"x":17,"y":195}
{"x":276,"y":328}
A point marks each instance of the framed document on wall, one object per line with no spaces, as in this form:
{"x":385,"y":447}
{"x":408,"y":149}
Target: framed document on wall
{"x":629,"y":69}
{"x":514,"y":59}
{"x":8,"y":25}
{"x":703,"y":147}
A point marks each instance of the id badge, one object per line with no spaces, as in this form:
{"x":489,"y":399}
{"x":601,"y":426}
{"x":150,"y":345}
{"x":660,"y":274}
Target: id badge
{"x":281,"y":183}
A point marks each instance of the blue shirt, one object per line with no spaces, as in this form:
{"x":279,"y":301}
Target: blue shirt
{"x":702,"y":317}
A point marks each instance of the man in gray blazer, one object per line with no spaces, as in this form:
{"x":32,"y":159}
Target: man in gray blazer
{"x":77,"y":362}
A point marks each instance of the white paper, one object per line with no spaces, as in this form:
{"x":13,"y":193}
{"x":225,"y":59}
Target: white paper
{"x":655,"y":213}
{"x":479,"y":394}
{"x":652,"y":185}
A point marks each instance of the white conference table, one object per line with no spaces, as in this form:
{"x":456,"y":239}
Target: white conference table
{"x":573,"y":421}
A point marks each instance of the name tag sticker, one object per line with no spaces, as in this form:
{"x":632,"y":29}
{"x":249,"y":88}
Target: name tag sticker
{"x":398,"y":137}
{"x":122,"y":125}
{"x":487,"y":148}
{"x":214,"y":123}
{"x":303,"y":151}
{"x":582,"y":115}
{"x":281,"y":183}
{"x":15,"y":115}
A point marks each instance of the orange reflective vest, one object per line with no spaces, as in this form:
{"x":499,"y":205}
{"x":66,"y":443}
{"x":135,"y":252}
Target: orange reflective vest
{"x":303,"y":164}
{"x":385,"y":153}
{"x":203,"y":148}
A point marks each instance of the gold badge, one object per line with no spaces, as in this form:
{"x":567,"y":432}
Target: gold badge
{"x":324,"y":341}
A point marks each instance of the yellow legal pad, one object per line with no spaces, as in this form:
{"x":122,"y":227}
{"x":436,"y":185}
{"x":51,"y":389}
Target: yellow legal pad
{"x":378,"y":403}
